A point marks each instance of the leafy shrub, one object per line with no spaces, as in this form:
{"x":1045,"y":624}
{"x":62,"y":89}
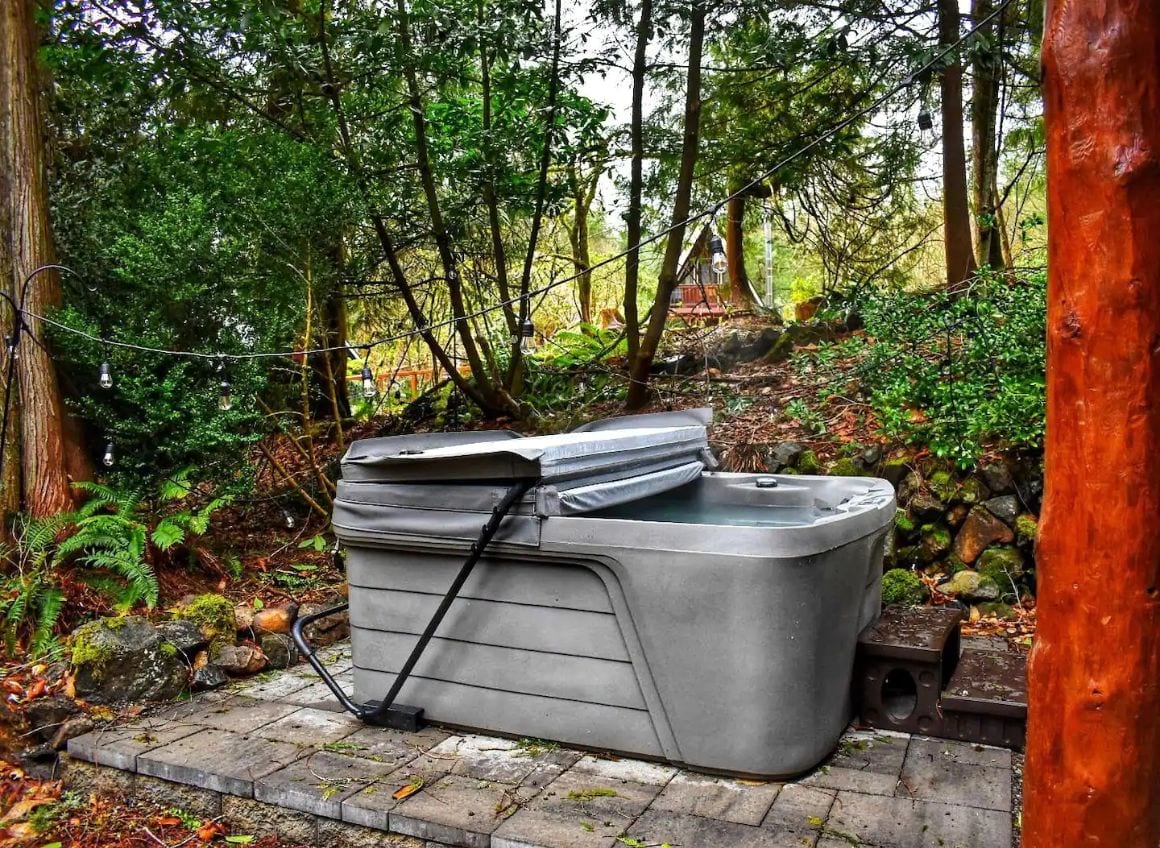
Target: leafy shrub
{"x":955,"y":373}
{"x":901,"y":586}
{"x":115,"y":537}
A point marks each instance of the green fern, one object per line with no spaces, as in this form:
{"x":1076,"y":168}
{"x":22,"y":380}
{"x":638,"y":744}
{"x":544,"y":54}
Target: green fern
{"x":113,"y":537}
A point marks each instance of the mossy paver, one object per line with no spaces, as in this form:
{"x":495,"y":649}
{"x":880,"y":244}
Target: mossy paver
{"x":718,"y":797}
{"x":319,"y":783}
{"x":318,"y":777}
{"x":218,"y":760}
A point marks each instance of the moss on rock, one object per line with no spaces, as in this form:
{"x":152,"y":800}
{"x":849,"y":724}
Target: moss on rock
{"x":1026,"y":528}
{"x":844,"y":467}
{"x":904,"y":523}
{"x":214,"y":617}
{"x":942,"y":485}
{"x":936,"y":541}
{"x":1001,"y":564}
{"x":808,"y":463}
{"x":90,"y":650}
{"x":972,"y":491}
{"x":902,"y":586}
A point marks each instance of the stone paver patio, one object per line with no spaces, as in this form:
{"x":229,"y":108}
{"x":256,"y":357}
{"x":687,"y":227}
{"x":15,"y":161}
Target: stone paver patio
{"x":276,"y":756}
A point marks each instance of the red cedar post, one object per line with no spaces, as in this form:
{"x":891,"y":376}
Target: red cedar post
{"x":1093,"y":750}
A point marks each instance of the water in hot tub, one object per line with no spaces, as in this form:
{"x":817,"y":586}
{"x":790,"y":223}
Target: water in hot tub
{"x":685,"y":511}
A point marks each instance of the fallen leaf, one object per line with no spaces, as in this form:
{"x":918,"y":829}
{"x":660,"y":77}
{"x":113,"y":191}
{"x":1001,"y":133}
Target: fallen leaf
{"x":408,"y":790}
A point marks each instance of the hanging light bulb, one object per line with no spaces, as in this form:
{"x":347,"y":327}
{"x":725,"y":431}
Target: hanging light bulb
{"x":925,"y":120}
{"x":106,"y":376}
{"x":527,"y":336}
{"x":369,"y":387}
{"x":110,"y":457}
{"x":717,"y":261}
{"x":289,"y":518}
{"x":225,"y":398}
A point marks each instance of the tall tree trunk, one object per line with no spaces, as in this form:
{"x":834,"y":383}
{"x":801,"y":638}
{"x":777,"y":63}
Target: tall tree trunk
{"x":10,"y":495}
{"x":985,"y":67}
{"x":636,"y":181}
{"x":48,"y":445}
{"x":960,"y":257}
{"x":739,"y":292}
{"x":583,"y":194}
{"x":740,"y":288}
{"x":690,"y":146}
{"x":1093,"y":746}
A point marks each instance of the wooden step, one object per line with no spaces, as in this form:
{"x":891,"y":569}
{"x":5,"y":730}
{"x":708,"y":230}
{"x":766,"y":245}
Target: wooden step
{"x":919,"y":635}
{"x":986,"y":699}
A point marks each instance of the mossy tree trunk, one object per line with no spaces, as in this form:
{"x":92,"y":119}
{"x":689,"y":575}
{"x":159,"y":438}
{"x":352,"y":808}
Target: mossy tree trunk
{"x":1093,"y":750}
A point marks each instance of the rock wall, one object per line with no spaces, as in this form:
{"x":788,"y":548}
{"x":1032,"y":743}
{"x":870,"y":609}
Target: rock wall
{"x":974,"y":532}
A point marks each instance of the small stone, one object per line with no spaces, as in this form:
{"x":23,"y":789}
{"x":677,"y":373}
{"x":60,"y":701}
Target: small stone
{"x":909,"y":487}
{"x":895,"y":469}
{"x":924,"y":507}
{"x":808,"y":463}
{"x":843,"y":467}
{"x":275,"y":619}
{"x":1005,"y":508}
{"x":207,"y":677}
{"x":980,"y":530}
{"x":905,"y":525}
{"x":76,"y":726}
{"x":325,"y":631}
{"x":997,"y":476}
{"x":46,"y":715}
{"x":942,"y":486}
{"x":786,"y":453}
{"x":936,"y":541}
{"x":971,"y":491}
{"x":214,"y":617}
{"x":1001,"y":564}
{"x":957,"y":514}
{"x":183,"y":635}
{"x":200,"y":660}
{"x":869,"y":457}
{"x":280,"y":651}
{"x":244,"y":617}
{"x":969,"y":585}
{"x":239,"y":660}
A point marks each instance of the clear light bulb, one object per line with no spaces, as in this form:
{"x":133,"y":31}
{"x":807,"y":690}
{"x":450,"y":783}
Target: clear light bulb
{"x":226,"y":398}
{"x":290,"y":522}
{"x":527,"y":336}
{"x":369,"y":388}
{"x":717,"y":261}
{"x":109,"y":458}
{"x":106,"y":376}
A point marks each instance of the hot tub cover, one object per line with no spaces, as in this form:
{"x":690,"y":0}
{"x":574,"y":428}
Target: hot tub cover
{"x":440,"y":483}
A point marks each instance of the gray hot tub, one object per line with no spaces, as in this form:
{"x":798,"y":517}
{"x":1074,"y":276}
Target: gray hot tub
{"x":632,"y":601}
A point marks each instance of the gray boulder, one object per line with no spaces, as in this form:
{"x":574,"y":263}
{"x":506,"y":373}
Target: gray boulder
{"x":207,"y":677}
{"x":280,"y":650}
{"x":969,"y":585}
{"x":183,"y":635}
{"x":1005,"y":508}
{"x":784,"y":454}
{"x":125,"y":659}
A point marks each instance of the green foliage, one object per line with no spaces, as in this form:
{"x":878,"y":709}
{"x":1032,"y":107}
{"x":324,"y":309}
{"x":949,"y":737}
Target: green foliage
{"x":116,"y":538}
{"x":902,"y":586}
{"x":955,"y":373}
{"x":30,"y":596}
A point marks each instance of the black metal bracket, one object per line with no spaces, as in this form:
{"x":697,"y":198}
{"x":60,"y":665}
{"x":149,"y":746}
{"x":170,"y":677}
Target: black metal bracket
{"x":386,"y":713}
